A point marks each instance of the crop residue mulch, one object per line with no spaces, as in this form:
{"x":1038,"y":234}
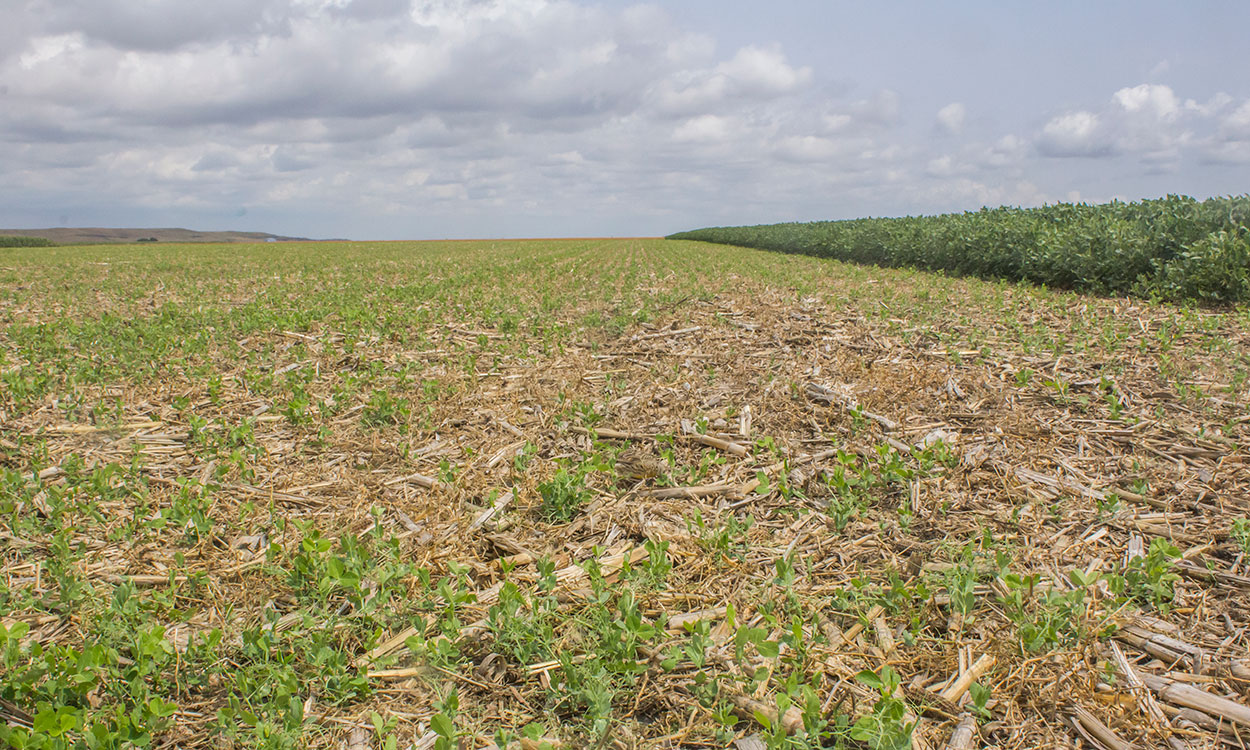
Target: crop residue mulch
{"x":985,"y":478}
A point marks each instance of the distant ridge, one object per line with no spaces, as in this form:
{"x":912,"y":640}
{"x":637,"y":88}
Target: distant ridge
{"x":98,"y":235}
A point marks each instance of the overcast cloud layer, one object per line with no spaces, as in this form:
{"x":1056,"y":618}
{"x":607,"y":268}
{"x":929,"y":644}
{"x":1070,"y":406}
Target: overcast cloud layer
{"x":472,"y":118}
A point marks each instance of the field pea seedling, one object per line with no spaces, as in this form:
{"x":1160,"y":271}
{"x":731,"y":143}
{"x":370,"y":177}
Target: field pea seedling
{"x":609,"y":494}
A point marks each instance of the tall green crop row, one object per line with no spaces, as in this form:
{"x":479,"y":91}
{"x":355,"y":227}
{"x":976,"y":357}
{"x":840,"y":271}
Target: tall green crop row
{"x":18,"y":241}
{"x":1175,"y":248}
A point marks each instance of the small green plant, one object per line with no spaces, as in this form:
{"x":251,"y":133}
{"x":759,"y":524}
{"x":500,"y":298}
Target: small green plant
{"x":657,"y":565}
{"x":563,"y":495}
{"x":885,"y":728}
{"x":980,"y":698}
{"x":1114,"y":405}
{"x":585,"y":414}
{"x":846,"y":484}
{"x":1049,"y":618}
{"x":443,"y":722}
{"x":1239,"y":532}
{"x":1149,"y":580}
{"x":89,"y":697}
{"x":384,"y":730}
{"x":190,"y":510}
{"x":383,"y":409}
{"x":727,"y":540}
{"x":1060,"y":387}
{"x":961,"y":581}
{"x":1109,"y":504}
{"x":521,"y":461}
{"x":296,"y":408}
{"x":446,"y":472}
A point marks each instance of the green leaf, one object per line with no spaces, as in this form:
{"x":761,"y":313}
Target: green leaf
{"x":55,"y":722}
{"x":15,"y":632}
{"x":866,"y":728}
{"x":443,"y":726}
{"x":161,"y":709}
{"x":869,"y":678}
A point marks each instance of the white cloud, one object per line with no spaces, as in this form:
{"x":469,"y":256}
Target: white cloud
{"x":1150,"y":100}
{"x":158,"y":25}
{"x":753,"y":73}
{"x":808,"y":148}
{"x":1008,"y":150}
{"x":45,"y":49}
{"x":1074,"y":134}
{"x":455,"y":110}
{"x":961,"y":193}
{"x":950,"y":118}
{"x":943,"y":166}
{"x":1236,"y":125}
{"x":705,"y":128}
{"x":1153,"y":126}
{"x":881,"y":109}
{"x":1213,"y":106}
{"x":447,"y":192}
{"x":836,"y":122}
{"x":690,"y":49}
{"x":216,"y":160}
{"x":1227,"y":152}
{"x":763,"y":72}
{"x":1230,"y":143}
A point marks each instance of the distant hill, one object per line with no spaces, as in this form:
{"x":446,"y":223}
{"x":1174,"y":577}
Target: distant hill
{"x":98,"y":235}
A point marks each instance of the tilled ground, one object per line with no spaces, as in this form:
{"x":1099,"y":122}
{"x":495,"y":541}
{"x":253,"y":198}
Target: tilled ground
{"x":696,"y":529}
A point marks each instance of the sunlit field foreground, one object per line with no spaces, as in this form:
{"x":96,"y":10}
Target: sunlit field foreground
{"x":611,"y":493}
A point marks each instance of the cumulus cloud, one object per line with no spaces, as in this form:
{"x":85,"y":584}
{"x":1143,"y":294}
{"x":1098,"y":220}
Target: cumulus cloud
{"x":1230,"y":144}
{"x":167,"y":24}
{"x":706,"y":128}
{"x":1152,"y":101}
{"x":950,"y":119}
{"x":459,"y":109}
{"x":763,"y":72}
{"x":1212,"y":107}
{"x":216,"y":160}
{"x":1075,"y":134}
{"x":809,"y":149}
{"x":1116,"y":128}
{"x":880,"y":109}
{"x":1236,"y":125}
{"x":961,"y":192}
{"x":1151,"y":124}
{"x":752,"y":74}
{"x":944,"y":166}
{"x":1007,"y":151}
{"x":390,"y":105}
{"x":535,"y":59}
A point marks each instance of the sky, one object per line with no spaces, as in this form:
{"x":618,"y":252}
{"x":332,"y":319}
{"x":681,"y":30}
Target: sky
{"x":427,"y":119}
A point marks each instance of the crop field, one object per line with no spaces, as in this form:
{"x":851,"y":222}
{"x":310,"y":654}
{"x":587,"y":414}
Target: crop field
{"x":611,"y":494}
{"x":1174,"y":248}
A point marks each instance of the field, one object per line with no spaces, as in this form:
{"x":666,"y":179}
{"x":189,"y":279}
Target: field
{"x":1173,"y":249}
{"x":611,"y":493}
